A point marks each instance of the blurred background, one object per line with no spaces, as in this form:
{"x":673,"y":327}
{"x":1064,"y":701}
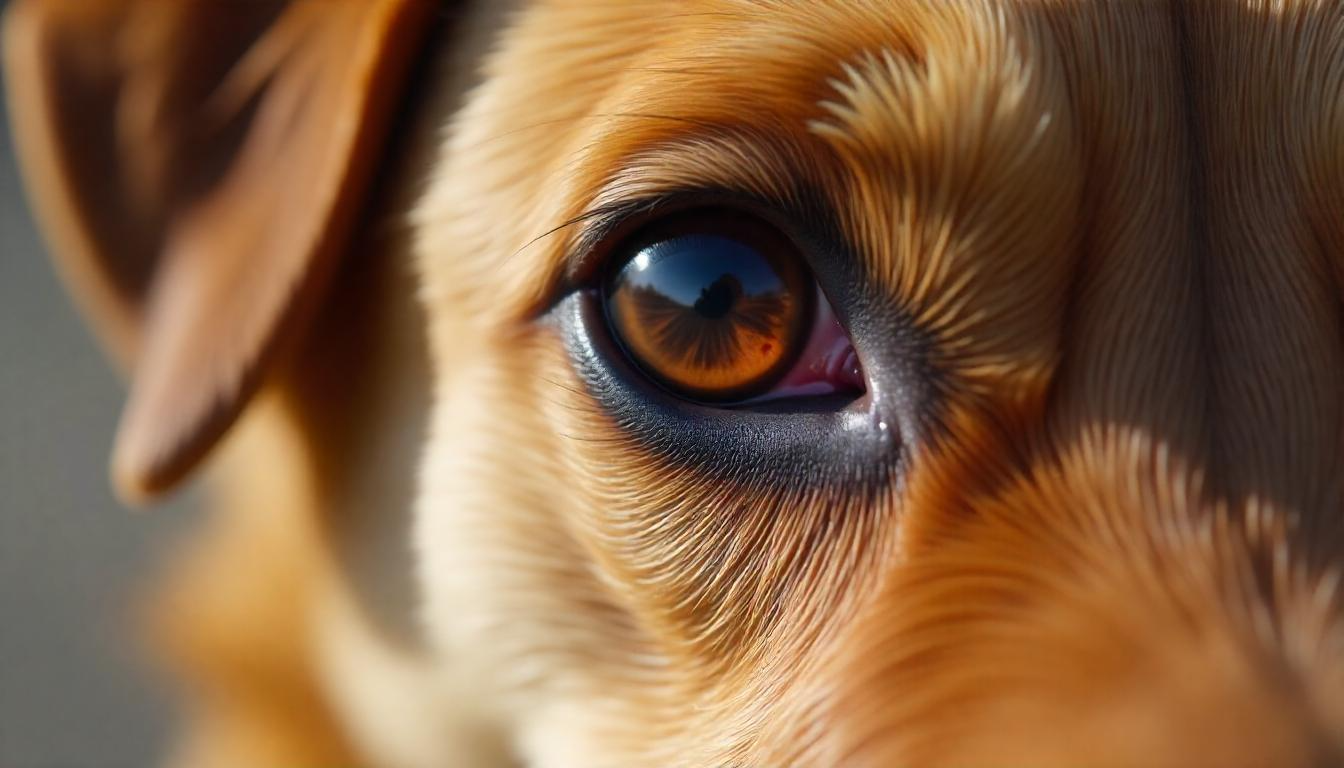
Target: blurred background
{"x":72,"y":692}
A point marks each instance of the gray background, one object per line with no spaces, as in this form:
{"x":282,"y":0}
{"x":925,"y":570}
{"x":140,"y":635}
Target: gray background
{"x":72,"y":692}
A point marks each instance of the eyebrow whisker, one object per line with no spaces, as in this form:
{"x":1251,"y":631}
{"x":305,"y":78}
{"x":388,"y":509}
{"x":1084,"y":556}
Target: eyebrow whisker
{"x":581,"y":218}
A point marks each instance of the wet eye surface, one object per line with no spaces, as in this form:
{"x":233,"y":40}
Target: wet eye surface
{"x":719,"y":307}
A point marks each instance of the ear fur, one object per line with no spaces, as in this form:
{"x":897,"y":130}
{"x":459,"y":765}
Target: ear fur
{"x":197,"y":167}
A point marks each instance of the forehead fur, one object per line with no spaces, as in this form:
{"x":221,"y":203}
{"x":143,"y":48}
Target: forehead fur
{"x":1122,"y":264}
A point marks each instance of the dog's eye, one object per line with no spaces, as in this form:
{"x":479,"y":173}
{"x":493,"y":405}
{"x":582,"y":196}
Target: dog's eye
{"x":720,"y":307}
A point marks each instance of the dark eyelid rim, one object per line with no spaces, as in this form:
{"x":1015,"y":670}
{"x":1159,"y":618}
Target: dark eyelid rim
{"x":818,"y":446}
{"x":605,"y":228}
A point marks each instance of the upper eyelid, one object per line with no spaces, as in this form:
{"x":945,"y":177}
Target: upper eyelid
{"x":780,"y":181}
{"x":590,"y":247}
{"x":598,"y":225}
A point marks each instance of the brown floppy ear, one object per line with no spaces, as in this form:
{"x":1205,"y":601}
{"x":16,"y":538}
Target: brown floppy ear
{"x":197,"y":167}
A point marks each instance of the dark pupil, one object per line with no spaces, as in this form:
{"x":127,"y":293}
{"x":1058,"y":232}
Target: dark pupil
{"x":717,"y":299}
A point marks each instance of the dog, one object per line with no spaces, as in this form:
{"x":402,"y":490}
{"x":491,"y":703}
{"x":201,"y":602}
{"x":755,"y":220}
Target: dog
{"x":721,"y":382}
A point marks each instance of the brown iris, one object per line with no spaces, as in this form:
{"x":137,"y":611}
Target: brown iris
{"x":714,"y":305}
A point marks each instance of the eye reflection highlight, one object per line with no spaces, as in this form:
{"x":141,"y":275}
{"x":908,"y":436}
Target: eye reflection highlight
{"x":714,"y":307}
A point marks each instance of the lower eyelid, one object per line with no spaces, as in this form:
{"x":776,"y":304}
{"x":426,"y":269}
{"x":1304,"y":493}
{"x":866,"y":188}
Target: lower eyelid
{"x":818,"y":440}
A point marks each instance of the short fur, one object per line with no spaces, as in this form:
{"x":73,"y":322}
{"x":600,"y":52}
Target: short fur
{"x":1094,"y":260}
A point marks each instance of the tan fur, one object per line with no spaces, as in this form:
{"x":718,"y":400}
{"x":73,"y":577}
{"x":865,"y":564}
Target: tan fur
{"x":1104,"y":238}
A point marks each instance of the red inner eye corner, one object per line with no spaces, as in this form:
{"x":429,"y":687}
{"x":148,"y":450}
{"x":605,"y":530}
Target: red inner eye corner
{"x":828,"y":364}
